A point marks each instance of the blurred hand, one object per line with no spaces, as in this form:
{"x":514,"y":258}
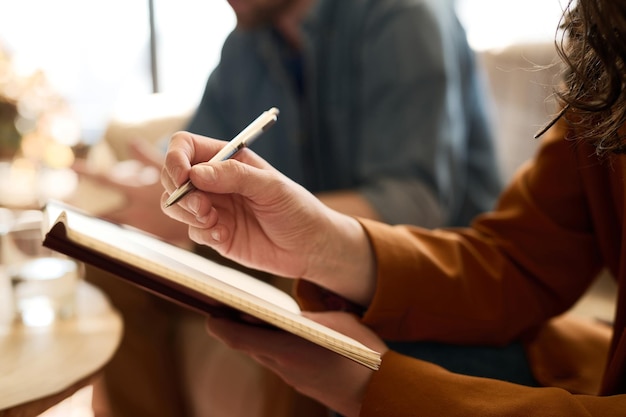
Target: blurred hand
{"x":138,"y":180}
{"x":249,"y":212}
{"x":335,"y":381}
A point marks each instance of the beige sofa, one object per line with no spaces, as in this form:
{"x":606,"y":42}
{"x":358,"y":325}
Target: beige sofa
{"x":521,"y":80}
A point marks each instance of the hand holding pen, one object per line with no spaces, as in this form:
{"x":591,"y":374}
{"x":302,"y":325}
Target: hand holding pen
{"x":243,"y":139}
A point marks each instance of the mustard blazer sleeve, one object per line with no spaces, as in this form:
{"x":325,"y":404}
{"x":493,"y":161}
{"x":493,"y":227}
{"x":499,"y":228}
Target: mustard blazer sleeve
{"x":528,"y":260}
{"x":409,"y":387}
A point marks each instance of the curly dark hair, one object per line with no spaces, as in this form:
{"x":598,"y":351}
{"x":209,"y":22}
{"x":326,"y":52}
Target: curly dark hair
{"x":593,"y":49}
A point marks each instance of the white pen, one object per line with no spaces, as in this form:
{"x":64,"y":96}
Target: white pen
{"x":243,"y":139}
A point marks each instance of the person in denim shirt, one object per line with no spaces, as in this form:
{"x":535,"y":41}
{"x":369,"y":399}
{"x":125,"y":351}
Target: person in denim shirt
{"x":382,"y":108}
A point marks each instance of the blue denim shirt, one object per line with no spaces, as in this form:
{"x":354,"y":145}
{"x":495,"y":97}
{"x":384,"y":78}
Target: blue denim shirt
{"x":387,"y":101}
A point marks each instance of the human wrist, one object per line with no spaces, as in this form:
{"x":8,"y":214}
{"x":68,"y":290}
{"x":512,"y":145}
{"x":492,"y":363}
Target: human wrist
{"x":344,"y":260}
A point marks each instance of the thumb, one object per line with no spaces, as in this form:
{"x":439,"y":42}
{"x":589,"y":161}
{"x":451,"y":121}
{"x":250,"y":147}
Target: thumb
{"x":349,"y":325}
{"x":229,"y":177}
{"x":233,"y":177}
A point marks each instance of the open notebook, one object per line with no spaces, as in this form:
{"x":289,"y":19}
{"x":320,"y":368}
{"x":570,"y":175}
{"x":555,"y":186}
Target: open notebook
{"x":186,"y":278}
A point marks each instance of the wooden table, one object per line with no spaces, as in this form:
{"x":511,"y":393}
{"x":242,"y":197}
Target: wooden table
{"x":39,"y":367}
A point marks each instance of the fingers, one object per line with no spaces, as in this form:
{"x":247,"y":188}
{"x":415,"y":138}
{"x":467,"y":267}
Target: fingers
{"x":133,"y":173}
{"x":278,"y":350}
{"x":99,"y":178}
{"x":146,"y":153}
{"x":349,"y":325}
{"x":177,"y":164}
{"x":256,"y":181}
{"x":310,"y":369}
{"x":81,"y":167}
{"x":248,"y":338}
{"x":183,"y":151}
{"x":186,"y":149}
{"x":228,"y":178}
{"x":127,"y":174}
{"x":219,"y":186}
{"x":195,"y":209}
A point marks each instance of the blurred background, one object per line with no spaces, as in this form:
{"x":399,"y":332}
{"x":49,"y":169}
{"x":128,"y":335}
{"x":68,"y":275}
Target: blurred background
{"x":69,"y":67}
{"x":96,"y":55}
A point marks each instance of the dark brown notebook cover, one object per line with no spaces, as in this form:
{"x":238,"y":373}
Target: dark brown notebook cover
{"x":186,"y":278}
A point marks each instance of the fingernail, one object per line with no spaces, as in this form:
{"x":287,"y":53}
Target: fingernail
{"x":176,"y":175}
{"x":193,"y":202}
{"x":216,"y":235}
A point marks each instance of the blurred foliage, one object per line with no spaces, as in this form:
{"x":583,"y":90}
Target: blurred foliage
{"x":29,"y":108}
{"x":9,"y":136}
